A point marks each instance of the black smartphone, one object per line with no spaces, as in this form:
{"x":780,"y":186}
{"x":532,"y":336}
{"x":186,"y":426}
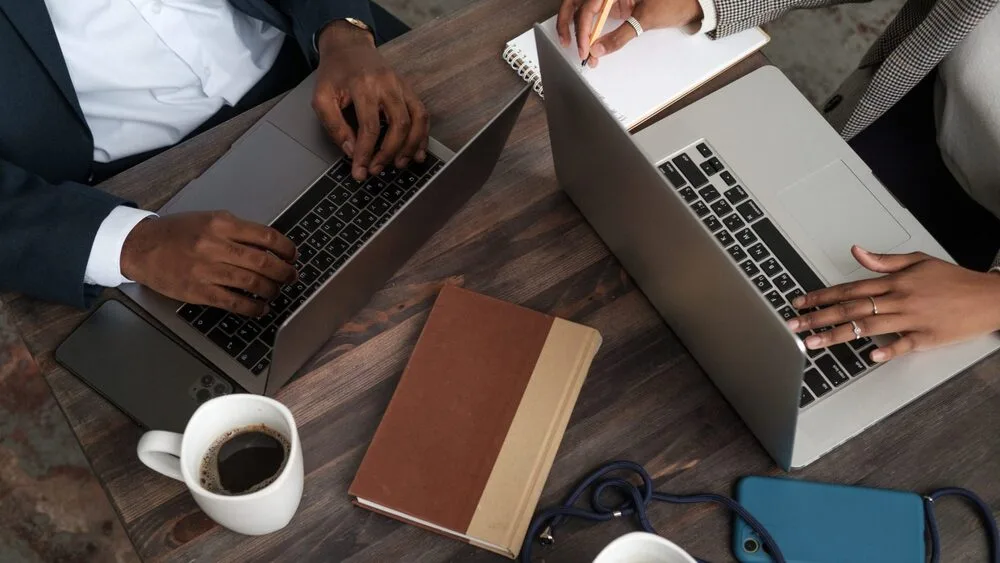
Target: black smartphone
{"x":140,"y":369}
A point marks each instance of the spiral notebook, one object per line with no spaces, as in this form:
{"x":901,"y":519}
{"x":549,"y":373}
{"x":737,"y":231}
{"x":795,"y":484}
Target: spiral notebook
{"x":650,"y":73}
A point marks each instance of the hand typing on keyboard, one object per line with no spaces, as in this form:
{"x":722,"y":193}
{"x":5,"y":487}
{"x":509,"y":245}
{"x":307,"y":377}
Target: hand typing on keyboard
{"x":210,"y":258}
{"x":352,"y":71}
{"x":928,"y":301}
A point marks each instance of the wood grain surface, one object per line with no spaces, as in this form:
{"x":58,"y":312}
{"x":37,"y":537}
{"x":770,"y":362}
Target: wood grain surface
{"x":519,"y":239}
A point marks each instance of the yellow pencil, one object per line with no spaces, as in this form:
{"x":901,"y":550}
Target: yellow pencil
{"x":595,"y":32}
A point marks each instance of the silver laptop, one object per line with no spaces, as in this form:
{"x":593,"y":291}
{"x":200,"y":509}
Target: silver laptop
{"x":725,"y":211}
{"x":351,"y":236}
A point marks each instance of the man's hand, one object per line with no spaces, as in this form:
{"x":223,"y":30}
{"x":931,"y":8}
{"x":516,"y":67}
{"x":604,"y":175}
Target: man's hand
{"x":651,"y":14}
{"x":351,"y":70}
{"x":201,"y":257}
{"x":928,"y":301}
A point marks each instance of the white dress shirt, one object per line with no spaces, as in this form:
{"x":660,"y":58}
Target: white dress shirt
{"x":147,"y":73}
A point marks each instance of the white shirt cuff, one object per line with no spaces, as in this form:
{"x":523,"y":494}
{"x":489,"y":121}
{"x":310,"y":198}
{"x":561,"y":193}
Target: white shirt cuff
{"x":104,"y":265}
{"x":708,"y":19}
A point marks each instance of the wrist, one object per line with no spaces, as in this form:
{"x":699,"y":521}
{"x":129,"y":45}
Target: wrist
{"x":134,"y":247}
{"x":341,"y":33}
{"x":994,"y":277}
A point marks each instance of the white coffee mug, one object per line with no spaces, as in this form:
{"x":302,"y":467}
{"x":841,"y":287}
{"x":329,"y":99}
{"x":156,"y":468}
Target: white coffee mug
{"x":180,"y":457}
{"x":641,"y":547}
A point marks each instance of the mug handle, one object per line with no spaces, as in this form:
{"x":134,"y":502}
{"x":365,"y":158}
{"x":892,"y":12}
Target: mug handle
{"x":161,"y":451}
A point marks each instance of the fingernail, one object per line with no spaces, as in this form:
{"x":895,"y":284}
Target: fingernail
{"x":793,"y":324}
{"x":879,"y":356}
{"x":798,"y":302}
{"x":359,"y":173}
{"x":813,"y":342}
{"x":377,"y":169}
{"x":597,"y":50}
{"x":421,"y":156}
{"x":403,"y":162}
{"x":349,"y":148}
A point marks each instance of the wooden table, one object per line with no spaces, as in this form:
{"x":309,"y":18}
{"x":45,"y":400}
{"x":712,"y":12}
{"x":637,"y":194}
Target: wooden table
{"x":519,"y":239}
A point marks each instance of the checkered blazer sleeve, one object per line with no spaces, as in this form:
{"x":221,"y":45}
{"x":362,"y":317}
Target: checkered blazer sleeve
{"x":733,"y":16}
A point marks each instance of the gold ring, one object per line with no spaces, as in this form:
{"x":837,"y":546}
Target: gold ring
{"x":874,"y":306}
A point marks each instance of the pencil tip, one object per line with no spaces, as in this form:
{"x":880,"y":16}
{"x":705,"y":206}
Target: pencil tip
{"x":584,"y":61}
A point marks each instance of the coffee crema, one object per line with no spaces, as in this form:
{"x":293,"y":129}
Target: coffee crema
{"x":244,"y":460}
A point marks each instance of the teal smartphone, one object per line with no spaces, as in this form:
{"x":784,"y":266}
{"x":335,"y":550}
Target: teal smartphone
{"x":824,"y":523}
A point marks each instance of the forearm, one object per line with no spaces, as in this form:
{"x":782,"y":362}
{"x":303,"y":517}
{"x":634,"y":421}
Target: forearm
{"x":733,"y":16}
{"x":46,"y":235}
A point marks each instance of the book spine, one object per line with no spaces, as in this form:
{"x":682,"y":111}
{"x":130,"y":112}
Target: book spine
{"x":517,"y":61}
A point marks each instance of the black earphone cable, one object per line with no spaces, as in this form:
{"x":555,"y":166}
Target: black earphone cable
{"x":984,"y":512}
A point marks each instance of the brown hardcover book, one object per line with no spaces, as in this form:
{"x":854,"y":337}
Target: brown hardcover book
{"x":469,"y":437}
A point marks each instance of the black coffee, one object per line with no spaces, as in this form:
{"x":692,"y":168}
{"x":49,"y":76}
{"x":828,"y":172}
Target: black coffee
{"x":244,"y":460}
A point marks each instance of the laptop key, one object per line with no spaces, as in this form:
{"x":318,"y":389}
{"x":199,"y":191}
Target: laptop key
{"x":749,"y":211}
{"x":233,"y":345}
{"x":749,"y":267}
{"x":704,"y":150}
{"x":261,"y":366}
{"x":859,"y":343}
{"x":746,"y":237}
{"x":775,"y":299}
{"x":733,"y":222}
{"x":737,"y":253}
{"x":791,"y":295}
{"x":339,"y":171}
{"x":816,"y":383}
{"x":407,"y":180}
{"x":736,"y":194}
{"x":724,"y":238}
{"x":784,"y":283}
{"x":365,"y":220}
{"x":306,"y":250}
{"x":787,"y":255}
{"x":759,"y":252}
{"x":298,"y":235}
{"x":304,"y":204}
{"x":252,"y":354}
{"x":333,"y":226}
{"x":712,"y":223}
{"x":672,"y":174}
{"x":699,"y":208}
{"x":208,"y":319}
{"x":805,"y":398}
{"x":787,"y":313}
{"x":866,"y":355}
{"x":311,"y":222}
{"x":351,"y":234}
{"x":360,"y":199}
{"x":324,"y":260}
{"x":707,"y":168}
{"x":324,"y":209}
{"x":709,"y":194}
{"x":832,"y":370}
{"x":722,"y":208}
{"x":727,"y":178}
{"x":229,"y":324}
{"x":379,"y":207}
{"x":308,"y":275}
{"x":388,"y":174}
{"x":690,"y":170}
{"x":688,"y":194}
{"x":762,"y":283}
{"x":716,"y":164}
{"x":771,"y":268}
{"x":284,"y":300}
{"x":319,"y":240}
{"x":190,"y":312}
{"x":346,"y":213}
{"x":339,"y":196}
{"x":248,"y":331}
{"x":269,"y":333}
{"x":847,"y":359}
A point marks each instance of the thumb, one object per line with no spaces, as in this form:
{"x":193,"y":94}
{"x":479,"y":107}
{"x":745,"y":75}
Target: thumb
{"x":886,"y":263}
{"x":615,"y":40}
{"x":331,"y":114}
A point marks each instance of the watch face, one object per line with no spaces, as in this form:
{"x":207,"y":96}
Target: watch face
{"x":357,"y":23}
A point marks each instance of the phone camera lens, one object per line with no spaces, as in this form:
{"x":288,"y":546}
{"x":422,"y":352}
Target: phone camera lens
{"x":750,"y":545}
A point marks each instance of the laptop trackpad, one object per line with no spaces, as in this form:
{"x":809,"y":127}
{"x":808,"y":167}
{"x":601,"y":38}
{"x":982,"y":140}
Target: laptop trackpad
{"x":260,"y":175}
{"x":836,"y":210}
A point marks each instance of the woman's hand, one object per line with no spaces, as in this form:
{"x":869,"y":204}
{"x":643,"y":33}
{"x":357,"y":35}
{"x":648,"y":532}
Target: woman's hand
{"x":928,"y":301}
{"x":651,"y":14}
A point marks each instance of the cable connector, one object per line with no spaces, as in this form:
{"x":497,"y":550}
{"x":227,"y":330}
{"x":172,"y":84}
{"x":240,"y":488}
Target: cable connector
{"x":546,"y":537}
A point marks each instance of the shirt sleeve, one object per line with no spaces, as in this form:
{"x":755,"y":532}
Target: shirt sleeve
{"x":104,"y":263}
{"x":708,"y":19}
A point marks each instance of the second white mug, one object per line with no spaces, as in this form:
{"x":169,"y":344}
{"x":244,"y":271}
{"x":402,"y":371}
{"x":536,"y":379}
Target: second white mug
{"x":180,"y":456}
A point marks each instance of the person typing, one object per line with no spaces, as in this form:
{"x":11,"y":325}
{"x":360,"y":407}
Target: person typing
{"x":91,"y":89}
{"x":930,"y":76}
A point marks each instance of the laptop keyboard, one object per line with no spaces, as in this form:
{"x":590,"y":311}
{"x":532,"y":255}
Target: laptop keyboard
{"x":714,"y":194}
{"x":328,"y":223}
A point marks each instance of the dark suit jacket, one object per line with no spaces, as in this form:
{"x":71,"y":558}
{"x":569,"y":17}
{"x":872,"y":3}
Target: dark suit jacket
{"x":48,"y":215}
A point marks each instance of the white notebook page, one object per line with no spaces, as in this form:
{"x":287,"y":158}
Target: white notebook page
{"x":651,"y":71}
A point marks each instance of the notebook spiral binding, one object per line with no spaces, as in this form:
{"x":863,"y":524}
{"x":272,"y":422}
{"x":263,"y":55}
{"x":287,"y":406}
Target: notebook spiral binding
{"x":516,"y":59}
